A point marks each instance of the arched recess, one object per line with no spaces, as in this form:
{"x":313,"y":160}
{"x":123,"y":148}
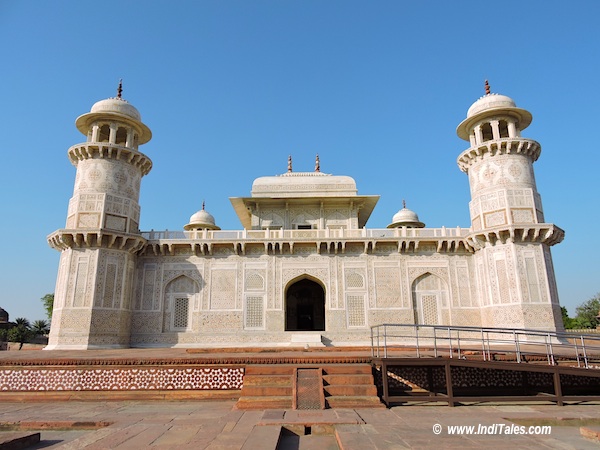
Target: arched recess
{"x":304,"y":305}
{"x":430,"y":294}
{"x":486,"y":131}
{"x":121,"y":138}
{"x":178,"y":306}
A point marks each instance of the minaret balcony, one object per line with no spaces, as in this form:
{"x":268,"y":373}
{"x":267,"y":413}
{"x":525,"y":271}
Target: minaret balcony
{"x":504,"y":146}
{"x":105,"y":150}
{"x":95,"y":238}
{"x":541,"y":233}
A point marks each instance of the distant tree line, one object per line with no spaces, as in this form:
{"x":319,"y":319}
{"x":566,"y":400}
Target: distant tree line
{"x":586,"y":315}
{"x":22,"y":330}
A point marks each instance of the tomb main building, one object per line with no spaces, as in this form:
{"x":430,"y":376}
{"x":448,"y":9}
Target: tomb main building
{"x":304,"y":268}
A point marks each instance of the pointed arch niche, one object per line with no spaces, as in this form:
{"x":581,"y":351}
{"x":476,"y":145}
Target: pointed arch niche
{"x":429,"y":295}
{"x":304,"y":305}
{"x":179,"y":303}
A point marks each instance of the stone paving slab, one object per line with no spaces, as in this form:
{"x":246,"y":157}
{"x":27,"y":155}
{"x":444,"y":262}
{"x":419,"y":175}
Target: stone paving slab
{"x":215,"y":425}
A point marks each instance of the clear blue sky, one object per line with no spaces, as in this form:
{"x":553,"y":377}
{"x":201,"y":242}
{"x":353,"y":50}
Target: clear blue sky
{"x":230,"y":88}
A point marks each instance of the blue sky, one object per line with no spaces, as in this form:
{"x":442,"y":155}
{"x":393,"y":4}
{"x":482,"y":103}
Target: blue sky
{"x":231,"y":88}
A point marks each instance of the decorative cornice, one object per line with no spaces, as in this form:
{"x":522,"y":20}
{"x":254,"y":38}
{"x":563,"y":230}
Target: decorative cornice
{"x":96,"y":238}
{"x":94,"y":150}
{"x":507,"y":146}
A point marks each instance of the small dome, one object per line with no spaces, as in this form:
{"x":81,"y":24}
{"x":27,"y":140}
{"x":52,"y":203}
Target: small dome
{"x":491,"y":101}
{"x":117,"y":105}
{"x":406,"y":218}
{"x":201,"y":220}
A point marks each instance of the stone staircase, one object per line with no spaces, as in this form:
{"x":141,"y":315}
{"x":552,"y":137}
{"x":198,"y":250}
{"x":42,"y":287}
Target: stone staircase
{"x":350,"y":386}
{"x":273,"y":386}
{"x":267,"y":386}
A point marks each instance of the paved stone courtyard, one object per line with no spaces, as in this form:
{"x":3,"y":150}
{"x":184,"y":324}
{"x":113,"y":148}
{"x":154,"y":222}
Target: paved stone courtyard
{"x":216,"y":425}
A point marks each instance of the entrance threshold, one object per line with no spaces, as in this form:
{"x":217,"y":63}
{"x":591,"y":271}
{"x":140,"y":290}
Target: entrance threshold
{"x":307,"y":339}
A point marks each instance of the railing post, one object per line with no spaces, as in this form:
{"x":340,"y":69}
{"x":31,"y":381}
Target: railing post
{"x":548,"y":353}
{"x":417,"y":337}
{"x":385,"y":341}
{"x":553,"y":361}
{"x":450,"y":341}
{"x":585,"y":359}
{"x":517,"y":349}
{"x":577,"y":352}
{"x":458,"y":343}
{"x":552,"y":353}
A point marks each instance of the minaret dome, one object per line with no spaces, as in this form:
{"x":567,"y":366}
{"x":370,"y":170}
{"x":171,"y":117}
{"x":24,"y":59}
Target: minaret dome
{"x":115,"y":121}
{"x":493,"y":116}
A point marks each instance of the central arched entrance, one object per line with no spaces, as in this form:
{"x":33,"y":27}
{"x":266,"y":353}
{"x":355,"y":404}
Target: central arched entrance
{"x":305,"y":306}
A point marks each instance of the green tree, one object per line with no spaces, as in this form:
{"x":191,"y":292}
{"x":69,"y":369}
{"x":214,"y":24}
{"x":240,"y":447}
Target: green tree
{"x":23,"y":321}
{"x":21,"y":332}
{"x":40,"y":327}
{"x":587,"y":313}
{"x":568,"y":322}
{"x":48,"y":302}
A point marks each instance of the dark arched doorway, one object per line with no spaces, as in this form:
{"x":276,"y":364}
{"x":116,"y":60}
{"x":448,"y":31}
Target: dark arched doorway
{"x":305,"y":307}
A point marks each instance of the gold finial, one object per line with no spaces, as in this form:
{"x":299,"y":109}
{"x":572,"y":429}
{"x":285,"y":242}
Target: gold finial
{"x":203,"y":205}
{"x":120,"y":88}
{"x":487,"y":88}
{"x":317,"y":164}
{"x":289,"y":163}
{"x":403,"y":203}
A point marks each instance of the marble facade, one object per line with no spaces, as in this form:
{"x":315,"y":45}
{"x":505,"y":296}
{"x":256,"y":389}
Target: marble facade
{"x":305,"y":267}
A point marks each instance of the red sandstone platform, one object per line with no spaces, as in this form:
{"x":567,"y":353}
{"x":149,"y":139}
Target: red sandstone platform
{"x":216,"y":425}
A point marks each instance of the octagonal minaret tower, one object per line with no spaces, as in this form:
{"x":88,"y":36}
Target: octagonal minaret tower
{"x":99,"y":244}
{"x":511,"y":240}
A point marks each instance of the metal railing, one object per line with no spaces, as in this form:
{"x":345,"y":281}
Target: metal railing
{"x":518,"y":345}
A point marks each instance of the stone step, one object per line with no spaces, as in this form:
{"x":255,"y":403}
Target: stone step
{"x":359,"y":401}
{"x":266,"y":391}
{"x":270,"y":369}
{"x":267,"y":380}
{"x":351,"y":390}
{"x":270,"y":402}
{"x":347,"y":369}
{"x":263,"y":437}
{"x":348,"y":379}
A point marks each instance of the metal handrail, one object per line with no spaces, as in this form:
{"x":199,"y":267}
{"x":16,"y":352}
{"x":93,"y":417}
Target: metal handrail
{"x":442,"y":340}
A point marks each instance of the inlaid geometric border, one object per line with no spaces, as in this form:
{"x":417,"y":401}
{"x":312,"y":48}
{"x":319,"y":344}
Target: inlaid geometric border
{"x":120,"y":379}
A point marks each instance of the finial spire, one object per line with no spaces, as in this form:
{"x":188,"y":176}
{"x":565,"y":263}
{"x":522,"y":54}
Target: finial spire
{"x":403,"y":203}
{"x":487,"y":88}
{"x":120,"y":88}
{"x":317,"y":164}
{"x":203,"y":204}
{"x":289,"y":163}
